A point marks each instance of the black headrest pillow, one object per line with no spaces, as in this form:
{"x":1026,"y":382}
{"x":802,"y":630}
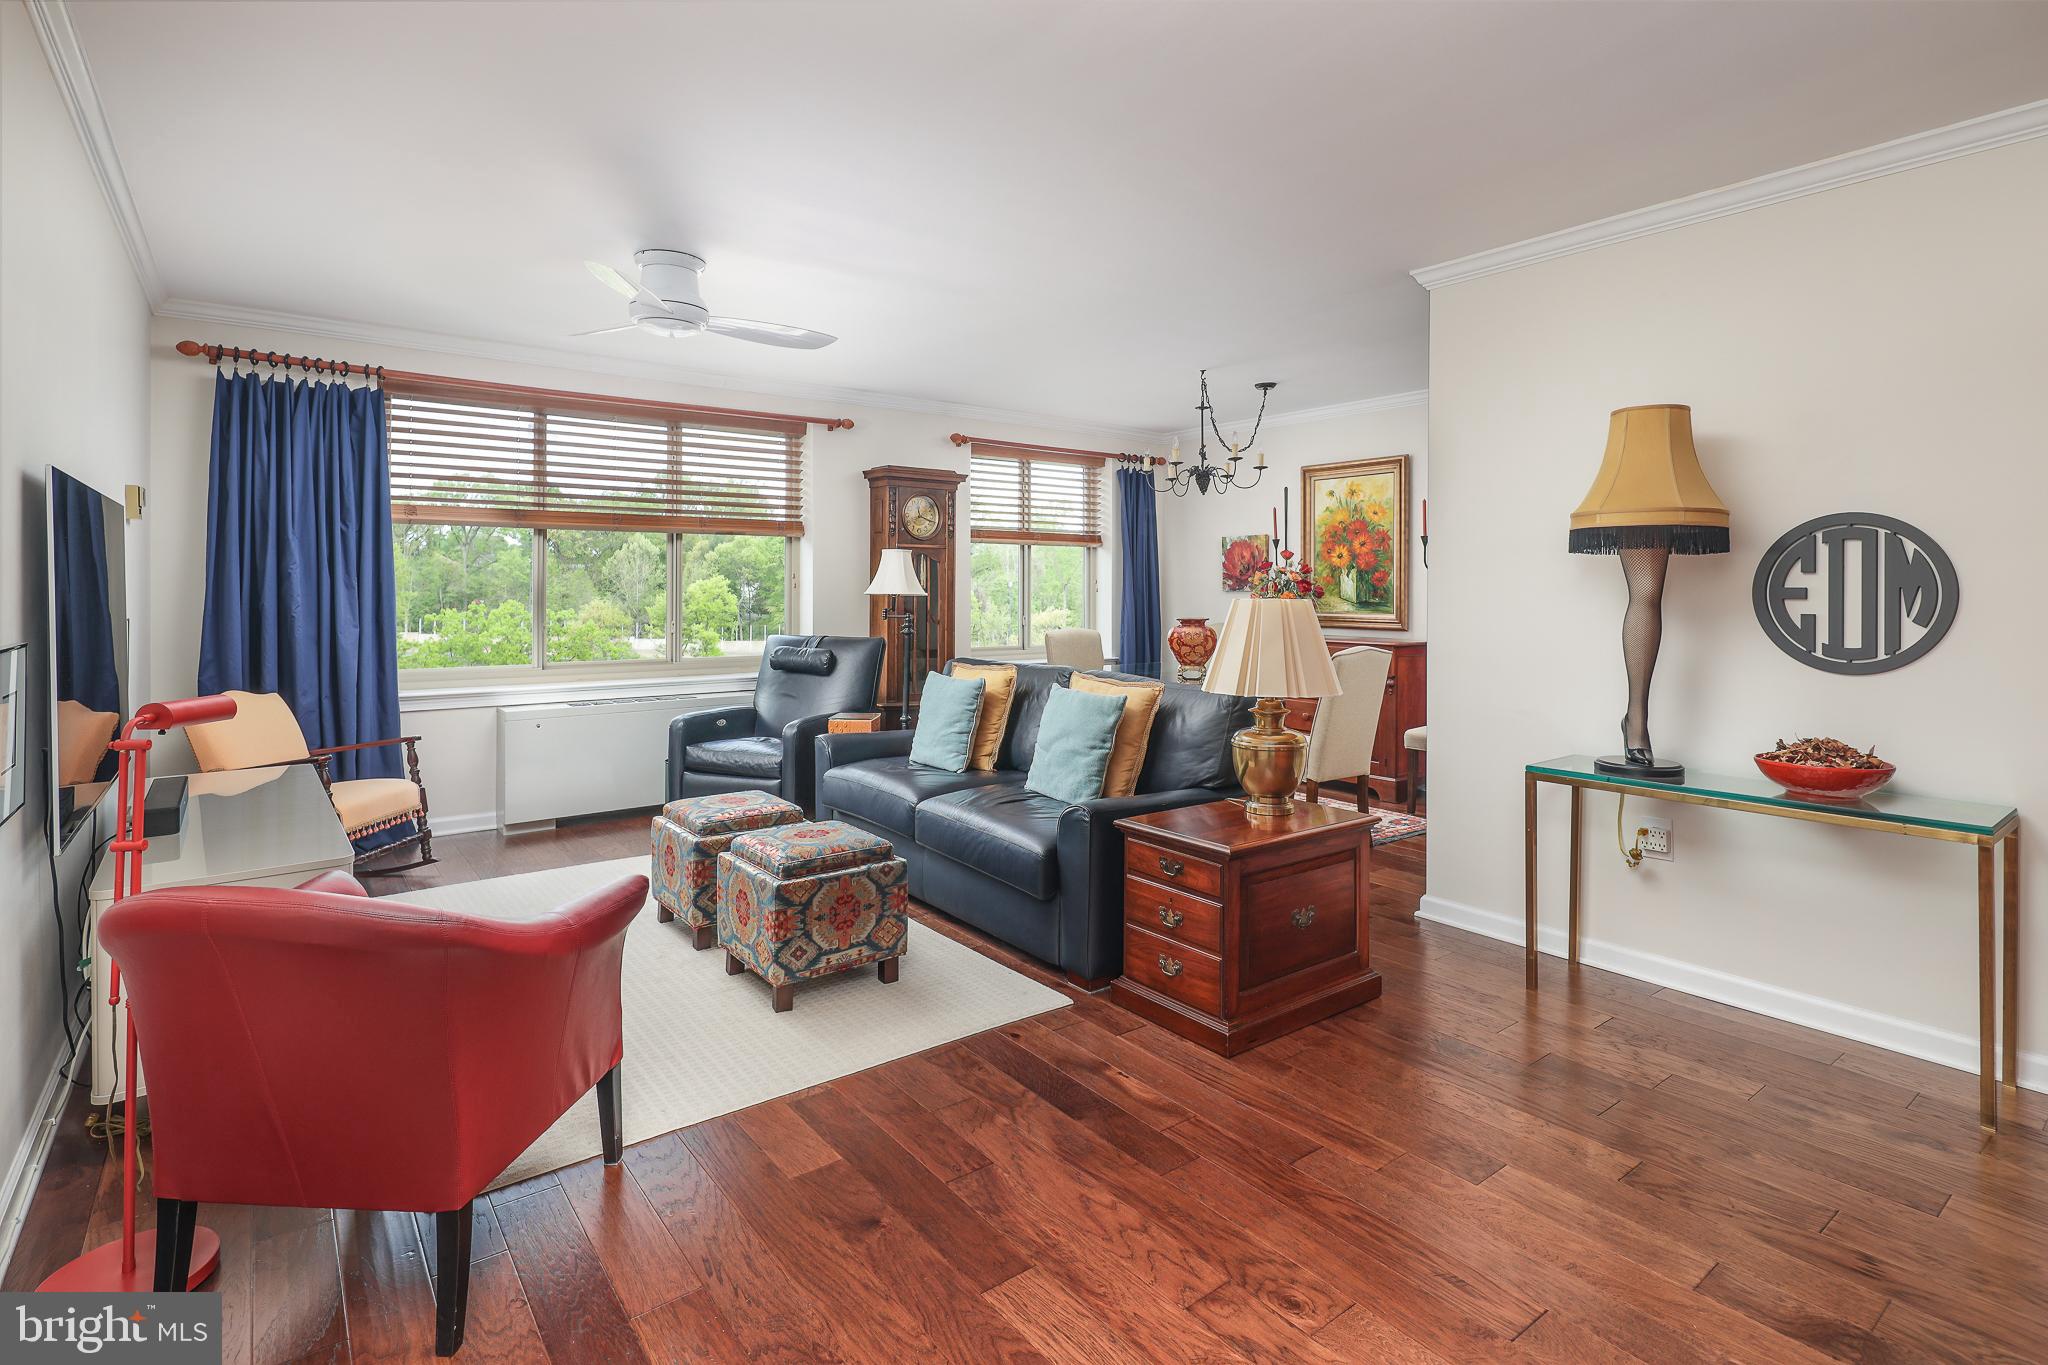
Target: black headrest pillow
{"x":802,"y":659}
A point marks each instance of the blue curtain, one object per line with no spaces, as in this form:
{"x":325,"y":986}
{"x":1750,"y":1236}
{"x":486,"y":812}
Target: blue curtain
{"x":1138,"y":627}
{"x":301,"y":597}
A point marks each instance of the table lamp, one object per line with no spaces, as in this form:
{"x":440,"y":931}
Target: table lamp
{"x":116,"y":1266}
{"x":896,"y":577}
{"x":1649,"y":501}
{"x":1271,"y":647}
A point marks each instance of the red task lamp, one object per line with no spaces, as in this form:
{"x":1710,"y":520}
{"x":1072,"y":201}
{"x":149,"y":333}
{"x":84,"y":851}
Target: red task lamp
{"x":115,"y":1266}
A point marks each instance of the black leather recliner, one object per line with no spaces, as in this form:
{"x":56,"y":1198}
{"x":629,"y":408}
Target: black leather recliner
{"x":804,"y":679}
{"x":1039,"y":874}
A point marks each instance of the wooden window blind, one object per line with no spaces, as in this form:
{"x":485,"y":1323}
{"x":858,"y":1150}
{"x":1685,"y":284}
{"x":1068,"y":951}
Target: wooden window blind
{"x":1034,"y":499}
{"x":465,"y":457}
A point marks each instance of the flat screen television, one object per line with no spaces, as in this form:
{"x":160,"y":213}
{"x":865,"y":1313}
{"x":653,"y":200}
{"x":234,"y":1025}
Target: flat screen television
{"x":87,"y":536}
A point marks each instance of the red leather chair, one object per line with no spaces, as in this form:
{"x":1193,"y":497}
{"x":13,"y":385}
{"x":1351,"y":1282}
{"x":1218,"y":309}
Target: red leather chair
{"x":314,"y":1048}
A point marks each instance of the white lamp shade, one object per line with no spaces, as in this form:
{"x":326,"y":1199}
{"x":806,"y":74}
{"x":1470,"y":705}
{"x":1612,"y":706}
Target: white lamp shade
{"x":1271,"y":647}
{"x":896,"y":576}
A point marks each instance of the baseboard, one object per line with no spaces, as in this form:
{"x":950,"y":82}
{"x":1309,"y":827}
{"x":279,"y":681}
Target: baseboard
{"x":474,"y":823}
{"x":1794,"y":1007}
{"x":25,"y":1172}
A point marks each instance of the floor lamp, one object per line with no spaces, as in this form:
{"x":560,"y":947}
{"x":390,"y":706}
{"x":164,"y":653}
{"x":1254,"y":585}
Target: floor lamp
{"x":896,"y":577}
{"x":114,"y":1267}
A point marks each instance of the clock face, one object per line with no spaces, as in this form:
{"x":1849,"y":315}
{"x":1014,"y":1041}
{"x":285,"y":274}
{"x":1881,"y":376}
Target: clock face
{"x":921,"y":516}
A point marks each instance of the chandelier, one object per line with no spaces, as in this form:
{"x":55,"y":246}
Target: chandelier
{"x":1205,"y":473}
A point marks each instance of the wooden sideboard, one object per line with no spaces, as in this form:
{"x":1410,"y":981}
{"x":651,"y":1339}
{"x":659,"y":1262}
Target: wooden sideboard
{"x":1406,"y":707}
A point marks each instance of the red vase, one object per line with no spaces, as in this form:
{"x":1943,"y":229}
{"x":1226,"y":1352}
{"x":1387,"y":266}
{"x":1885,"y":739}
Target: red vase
{"x":1192,"y":642}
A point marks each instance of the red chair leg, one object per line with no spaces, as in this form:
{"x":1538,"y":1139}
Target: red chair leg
{"x":451,"y":1279}
{"x":610,"y":1091}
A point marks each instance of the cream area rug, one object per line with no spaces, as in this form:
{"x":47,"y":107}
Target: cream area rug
{"x":700,"y":1043}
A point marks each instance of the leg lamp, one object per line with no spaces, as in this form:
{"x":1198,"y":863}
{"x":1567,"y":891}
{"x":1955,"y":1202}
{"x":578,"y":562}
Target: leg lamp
{"x":896,"y":578}
{"x":1650,"y":501}
{"x":116,"y":1267}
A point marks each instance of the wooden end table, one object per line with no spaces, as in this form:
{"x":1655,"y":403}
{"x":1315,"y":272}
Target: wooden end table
{"x":853,"y":722}
{"x":1238,"y":930}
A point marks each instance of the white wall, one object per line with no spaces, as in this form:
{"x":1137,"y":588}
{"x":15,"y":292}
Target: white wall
{"x":1192,"y":528}
{"x":1879,"y":347}
{"x":73,"y":393}
{"x":458,"y":746}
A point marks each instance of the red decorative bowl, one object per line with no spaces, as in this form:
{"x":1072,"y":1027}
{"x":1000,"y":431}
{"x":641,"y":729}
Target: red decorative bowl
{"x":1824,"y":784}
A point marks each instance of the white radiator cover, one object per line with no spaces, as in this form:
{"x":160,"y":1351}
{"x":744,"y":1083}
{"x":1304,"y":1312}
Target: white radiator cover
{"x":563,"y":759}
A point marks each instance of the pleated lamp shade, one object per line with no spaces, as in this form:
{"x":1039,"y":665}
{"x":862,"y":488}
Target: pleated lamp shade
{"x":1650,"y":493}
{"x":895,"y":576}
{"x":1271,"y":647}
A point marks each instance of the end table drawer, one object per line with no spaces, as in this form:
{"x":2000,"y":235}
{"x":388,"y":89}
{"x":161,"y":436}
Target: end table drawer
{"x":1163,"y":865}
{"x":1173,"y":913}
{"x":1173,"y":969}
{"x":1297,"y":919}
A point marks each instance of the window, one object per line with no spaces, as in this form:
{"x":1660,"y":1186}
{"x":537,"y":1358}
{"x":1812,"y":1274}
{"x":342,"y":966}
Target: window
{"x":1036,"y":521}
{"x":586,"y":534}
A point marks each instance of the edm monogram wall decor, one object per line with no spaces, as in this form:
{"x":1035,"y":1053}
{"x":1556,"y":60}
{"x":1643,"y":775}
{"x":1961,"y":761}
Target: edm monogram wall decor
{"x":1855,"y":593}
{"x":1242,"y":556}
{"x":1354,"y":535}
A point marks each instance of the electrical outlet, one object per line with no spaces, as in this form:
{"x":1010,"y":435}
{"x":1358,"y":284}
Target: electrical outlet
{"x":1654,"y":838}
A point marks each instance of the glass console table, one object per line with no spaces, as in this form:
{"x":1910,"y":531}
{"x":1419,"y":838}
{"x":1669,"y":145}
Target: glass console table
{"x":1888,"y":812}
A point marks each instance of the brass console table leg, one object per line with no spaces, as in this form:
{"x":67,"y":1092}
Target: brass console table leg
{"x":1529,"y":878}
{"x":2011,"y":949}
{"x":1572,"y":928}
{"x":1987,"y":1021}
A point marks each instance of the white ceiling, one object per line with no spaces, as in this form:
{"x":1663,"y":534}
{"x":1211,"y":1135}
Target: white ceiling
{"x":1061,"y":208}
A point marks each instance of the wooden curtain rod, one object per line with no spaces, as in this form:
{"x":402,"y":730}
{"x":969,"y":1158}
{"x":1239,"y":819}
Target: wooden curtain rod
{"x":1120,"y":456}
{"x":213,"y":353}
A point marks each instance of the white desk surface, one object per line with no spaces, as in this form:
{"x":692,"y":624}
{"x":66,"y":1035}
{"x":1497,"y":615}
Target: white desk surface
{"x":256,"y":825}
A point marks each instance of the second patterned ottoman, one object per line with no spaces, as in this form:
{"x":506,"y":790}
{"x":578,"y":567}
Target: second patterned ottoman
{"x":688,"y":837}
{"x":802,"y":901}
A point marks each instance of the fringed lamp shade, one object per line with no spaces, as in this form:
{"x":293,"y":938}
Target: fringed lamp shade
{"x":1650,"y":493}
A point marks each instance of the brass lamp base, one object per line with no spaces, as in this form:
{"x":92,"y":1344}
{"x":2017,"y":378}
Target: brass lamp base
{"x":1269,"y":759}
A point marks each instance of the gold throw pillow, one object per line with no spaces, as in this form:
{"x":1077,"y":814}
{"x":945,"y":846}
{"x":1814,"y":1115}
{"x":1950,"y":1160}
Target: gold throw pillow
{"x":999,"y":689}
{"x":1133,"y":732}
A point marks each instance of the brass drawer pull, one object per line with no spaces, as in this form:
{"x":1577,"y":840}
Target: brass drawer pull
{"x":1170,"y":965}
{"x":1303,"y":916}
{"x":1171,"y":918}
{"x":1172,"y":867}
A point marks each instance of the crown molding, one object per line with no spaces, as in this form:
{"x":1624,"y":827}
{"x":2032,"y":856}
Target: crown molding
{"x":1903,"y":154}
{"x":1357,"y":407}
{"x":60,"y":45}
{"x":441,"y":343}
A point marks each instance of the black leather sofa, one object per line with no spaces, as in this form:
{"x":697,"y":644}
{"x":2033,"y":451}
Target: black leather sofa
{"x":803,"y":680}
{"x":1039,"y":874}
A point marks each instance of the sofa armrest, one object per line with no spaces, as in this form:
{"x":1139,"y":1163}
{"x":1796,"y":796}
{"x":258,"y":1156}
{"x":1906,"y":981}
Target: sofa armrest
{"x":800,"y":760}
{"x":696,"y":727}
{"x":829,"y":751}
{"x":1091,"y":855}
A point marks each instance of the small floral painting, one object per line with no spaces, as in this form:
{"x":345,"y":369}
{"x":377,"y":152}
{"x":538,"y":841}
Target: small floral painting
{"x":1242,"y":556}
{"x":1355,"y":538}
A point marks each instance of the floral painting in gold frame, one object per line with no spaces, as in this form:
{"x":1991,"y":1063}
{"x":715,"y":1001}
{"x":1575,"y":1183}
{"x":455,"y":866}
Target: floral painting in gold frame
{"x":1354,"y":534}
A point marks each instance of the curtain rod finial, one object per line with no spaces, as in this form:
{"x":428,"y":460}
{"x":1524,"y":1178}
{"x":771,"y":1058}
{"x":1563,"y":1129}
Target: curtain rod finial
{"x":189,"y":348}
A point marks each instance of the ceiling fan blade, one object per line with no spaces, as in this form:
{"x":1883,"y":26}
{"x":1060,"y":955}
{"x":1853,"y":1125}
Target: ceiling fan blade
{"x":770,"y":333}
{"x":601,"y":331}
{"x":611,"y":279}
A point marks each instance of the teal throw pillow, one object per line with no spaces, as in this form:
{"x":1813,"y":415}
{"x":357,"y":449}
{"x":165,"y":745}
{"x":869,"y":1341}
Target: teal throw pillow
{"x":1076,"y":736}
{"x":945,"y":722}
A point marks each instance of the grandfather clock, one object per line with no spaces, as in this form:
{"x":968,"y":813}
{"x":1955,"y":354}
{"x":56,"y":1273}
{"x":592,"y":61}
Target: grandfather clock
{"x":915,"y":510}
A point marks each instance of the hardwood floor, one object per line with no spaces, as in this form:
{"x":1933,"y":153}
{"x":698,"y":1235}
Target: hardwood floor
{"x":1602,"y":1172}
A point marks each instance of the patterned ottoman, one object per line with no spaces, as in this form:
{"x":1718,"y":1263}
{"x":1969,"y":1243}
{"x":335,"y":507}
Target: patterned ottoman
{"x":688,"y":837}
{"x":803,"y":901}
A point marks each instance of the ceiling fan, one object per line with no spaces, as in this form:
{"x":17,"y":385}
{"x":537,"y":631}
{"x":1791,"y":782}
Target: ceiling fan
{"x":668,"y":303}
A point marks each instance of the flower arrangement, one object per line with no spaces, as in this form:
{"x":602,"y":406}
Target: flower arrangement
{"x":1284,"y":579}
